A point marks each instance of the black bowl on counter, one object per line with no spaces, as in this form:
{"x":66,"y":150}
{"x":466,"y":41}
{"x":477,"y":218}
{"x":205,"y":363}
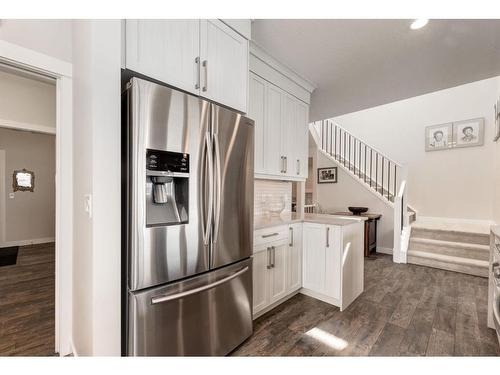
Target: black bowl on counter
{"x":358,"y":210}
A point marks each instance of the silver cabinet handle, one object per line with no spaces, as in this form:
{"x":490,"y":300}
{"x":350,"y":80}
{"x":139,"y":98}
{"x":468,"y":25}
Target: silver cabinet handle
{"x":286,"y":163}
{"x":197,"y":62}
{"x":269,"y":235}
{"x":291,"y":237}
{"x":327,"y":236}
{"x":494,"y":265}
{"x":298,"y":166}
{"x":269,"y":266}
{"x":172,"y":297}
{"x":205,"y":65}
{"x":274,"y":256}
{"x":282,"y":164}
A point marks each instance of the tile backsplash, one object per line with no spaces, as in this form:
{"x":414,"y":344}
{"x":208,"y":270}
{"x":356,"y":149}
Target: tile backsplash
{"x":269,"y":194}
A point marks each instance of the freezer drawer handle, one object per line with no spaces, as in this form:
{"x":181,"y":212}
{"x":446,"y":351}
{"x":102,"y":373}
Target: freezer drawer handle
{"x":160,"y":299}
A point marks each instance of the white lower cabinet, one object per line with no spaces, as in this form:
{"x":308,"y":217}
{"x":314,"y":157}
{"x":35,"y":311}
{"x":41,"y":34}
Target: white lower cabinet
{"x":322,"y":261}
{"x":333,"y":262}
{"x":294,"y":267}
{"x":276,"y":266}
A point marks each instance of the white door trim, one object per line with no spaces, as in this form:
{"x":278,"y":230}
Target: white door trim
{"x":2,"y":197}
{"x":25,"y":58}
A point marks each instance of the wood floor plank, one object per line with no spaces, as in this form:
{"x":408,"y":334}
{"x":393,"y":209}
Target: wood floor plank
{"x":389,"y":341}
{"x":441,"y":343}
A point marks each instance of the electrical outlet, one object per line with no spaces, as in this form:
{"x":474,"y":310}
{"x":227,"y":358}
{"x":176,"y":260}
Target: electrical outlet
{"x":88,"y":204}
{"x":12,"y":195}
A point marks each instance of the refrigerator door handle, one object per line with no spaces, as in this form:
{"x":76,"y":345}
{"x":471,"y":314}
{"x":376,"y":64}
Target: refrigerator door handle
{"x":209,"y":153}
{"x":161,"y":299}
{"x":218,"y":185}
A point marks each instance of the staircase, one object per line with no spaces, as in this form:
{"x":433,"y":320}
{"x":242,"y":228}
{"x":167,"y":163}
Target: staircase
{"x":464,"y":250}
{"x":379,"y":174}
{"x":449,"y":246}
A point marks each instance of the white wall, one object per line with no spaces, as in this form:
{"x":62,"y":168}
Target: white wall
{"x":27,"y":100}
{"x":97,"y":163}
{"x":29,"y":216}
{"x":457,"y":183}
{"x":336,"y":197}
{"x":496,"y":173}
{"x":50,"y":37}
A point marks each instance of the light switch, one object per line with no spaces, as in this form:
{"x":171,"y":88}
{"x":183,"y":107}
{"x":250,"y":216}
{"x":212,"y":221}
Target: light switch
{"x":88,"y":204}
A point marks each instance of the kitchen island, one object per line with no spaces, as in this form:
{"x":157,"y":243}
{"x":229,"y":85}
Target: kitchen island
{"x":318,"y":255}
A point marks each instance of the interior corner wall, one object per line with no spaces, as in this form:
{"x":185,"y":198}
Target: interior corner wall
{"x":456,"y":183}
{"x":496,"y":173}
{"x":336,"y":197}
{"x":97,"y":164}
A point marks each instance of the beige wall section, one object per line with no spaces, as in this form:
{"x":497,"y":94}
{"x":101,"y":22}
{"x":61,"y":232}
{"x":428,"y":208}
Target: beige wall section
{"x":27,"y":100}
{"x":51,"y":37}
{"x":457,"y":183}
{"x":29,"y":215}
{"x":496,"y":155}
{"x":347,"y":192}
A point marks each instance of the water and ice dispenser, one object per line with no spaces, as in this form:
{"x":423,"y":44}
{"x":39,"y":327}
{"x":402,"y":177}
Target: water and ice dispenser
{"x":167,"y":188}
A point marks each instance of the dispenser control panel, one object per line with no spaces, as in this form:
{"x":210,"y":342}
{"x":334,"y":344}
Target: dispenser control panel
{"x":167,"y":161}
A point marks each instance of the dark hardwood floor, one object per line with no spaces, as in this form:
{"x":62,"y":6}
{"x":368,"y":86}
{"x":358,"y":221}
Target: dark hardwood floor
{"x":406,"y":310}
{"x":27,"y":312}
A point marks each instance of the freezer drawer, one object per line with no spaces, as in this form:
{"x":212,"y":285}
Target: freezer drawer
{"x":209,"y":314}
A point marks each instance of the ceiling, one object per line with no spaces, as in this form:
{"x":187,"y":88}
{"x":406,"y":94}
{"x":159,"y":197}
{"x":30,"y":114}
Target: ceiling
{"x":357,"y":64}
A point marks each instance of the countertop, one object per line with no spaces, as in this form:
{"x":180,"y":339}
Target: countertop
{"x":265,"y":221}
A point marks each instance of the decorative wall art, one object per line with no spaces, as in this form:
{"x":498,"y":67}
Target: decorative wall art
{"x":327,"y":175}
{"x":467,"y":133}
{"x":23,"y":180}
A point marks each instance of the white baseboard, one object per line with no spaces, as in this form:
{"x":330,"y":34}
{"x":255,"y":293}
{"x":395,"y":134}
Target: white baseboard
{"x":34,"y":241}
{"x":435,"y":219}
{"x":384,"y":250}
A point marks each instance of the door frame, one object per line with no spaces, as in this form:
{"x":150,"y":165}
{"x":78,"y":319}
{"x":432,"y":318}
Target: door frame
{"x":61,"y":71}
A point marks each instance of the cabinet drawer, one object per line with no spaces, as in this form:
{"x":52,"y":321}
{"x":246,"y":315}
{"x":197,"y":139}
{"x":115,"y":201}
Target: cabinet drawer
{"x":267,"y":235}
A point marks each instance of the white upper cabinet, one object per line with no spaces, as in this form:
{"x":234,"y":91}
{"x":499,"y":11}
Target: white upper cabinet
{"x":278,"y":103}
{"x":166,"y":50}
{"x":204,"y":57}
{"x":257,"y":112}
{"x":224,"y":65}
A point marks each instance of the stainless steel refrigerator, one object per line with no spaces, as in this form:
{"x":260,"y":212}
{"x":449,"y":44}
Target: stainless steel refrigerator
{"x":188,"y":193}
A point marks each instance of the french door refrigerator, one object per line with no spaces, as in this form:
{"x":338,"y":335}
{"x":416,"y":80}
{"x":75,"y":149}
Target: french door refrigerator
{"x":188,"y":224}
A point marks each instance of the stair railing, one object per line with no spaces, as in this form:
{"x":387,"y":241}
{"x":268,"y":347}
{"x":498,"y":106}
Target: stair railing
{"x":376,"y":169}
{"x":383,"y":175}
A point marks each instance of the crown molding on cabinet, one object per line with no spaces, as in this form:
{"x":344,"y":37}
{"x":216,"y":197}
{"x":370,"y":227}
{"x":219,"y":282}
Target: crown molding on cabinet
{"x":262,"y":55}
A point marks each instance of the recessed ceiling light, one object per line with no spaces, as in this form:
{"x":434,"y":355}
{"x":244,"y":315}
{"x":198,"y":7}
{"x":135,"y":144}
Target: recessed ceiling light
{"x":418,"y":23}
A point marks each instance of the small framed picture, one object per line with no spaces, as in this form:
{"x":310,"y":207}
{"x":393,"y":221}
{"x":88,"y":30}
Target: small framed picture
{"x":468,"y":133}
{"x":327,"y":175}
{"x":438,"y":137}
{"x":23,"y":180}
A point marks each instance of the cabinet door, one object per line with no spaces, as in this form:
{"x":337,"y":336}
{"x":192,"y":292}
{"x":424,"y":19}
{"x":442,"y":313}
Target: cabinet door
{"x":278,"y":272}
{"x":294,"y":256}
{"x":166,"y":50}
{"x":257,"y":112}
{"x":313,"y":256}
{"x":333,"y":261}
{"x":261,"y":281}
{"x":273,"y":162}
{"x":301,"y":138}
{"x":288,"y":135}
{"x":224,"y":65}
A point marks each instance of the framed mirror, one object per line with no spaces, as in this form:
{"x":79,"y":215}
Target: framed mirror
{"x":23,"y":180}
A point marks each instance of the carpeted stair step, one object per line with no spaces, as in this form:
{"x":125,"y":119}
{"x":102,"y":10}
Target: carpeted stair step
{"x":458,"y":249}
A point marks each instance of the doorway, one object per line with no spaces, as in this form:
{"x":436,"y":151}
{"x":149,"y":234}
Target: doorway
{"x":27,"y":213}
